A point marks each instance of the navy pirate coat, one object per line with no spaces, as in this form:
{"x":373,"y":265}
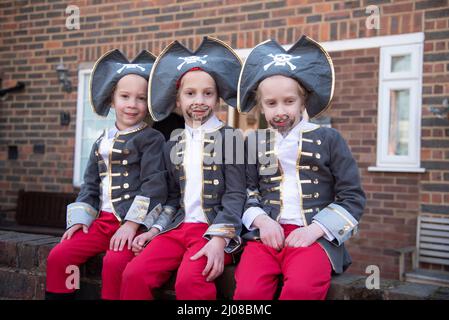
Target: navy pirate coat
{"x":223,"y":179}
{"x":137,"y":185}
{"x":327,"y":177}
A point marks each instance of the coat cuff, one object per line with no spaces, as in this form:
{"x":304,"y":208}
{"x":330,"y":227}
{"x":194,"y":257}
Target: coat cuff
{"x":80,"y":212}
{"x":252,"y":198}
{"x":138,"y":212}
{"x":339,"y":222}
{"x":250,"y":215}
{"x":327,"y":235}
{"x":226,"y":231}
{"x":160,"y":228}
{"x":164,"y":219}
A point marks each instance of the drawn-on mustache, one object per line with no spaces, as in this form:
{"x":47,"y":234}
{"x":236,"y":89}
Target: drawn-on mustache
{"x":282,"y":118}
{"x":199,"y":107}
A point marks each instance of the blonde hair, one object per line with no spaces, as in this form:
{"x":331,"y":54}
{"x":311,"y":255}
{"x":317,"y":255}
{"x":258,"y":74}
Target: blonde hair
{"x":181,"y":81}
{"x":110,"y":99}
{"x":302,"y":92}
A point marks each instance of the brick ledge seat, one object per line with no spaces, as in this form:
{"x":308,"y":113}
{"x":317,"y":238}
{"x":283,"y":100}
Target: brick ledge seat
{"x":23,"y":262}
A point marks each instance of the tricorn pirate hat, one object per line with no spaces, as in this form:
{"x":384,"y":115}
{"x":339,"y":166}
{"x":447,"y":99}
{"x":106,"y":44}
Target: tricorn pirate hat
{"x":306,"y":61}
{"x":108,"y":70}
{"x":212,"y":56}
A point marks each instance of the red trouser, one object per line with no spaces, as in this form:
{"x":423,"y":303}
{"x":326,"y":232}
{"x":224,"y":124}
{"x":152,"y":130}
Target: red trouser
{"x":164,"y":254}
{"x":306,"y":272}
{"x":83,"y":246}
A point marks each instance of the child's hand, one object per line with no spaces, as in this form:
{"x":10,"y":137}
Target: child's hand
{"x":123,"y":235}
{"x":70,"y":231}
{"x":304,"y":237}
{"x":271,"y":232}
{"x":214,"y":251}
{"x":141,"y":240}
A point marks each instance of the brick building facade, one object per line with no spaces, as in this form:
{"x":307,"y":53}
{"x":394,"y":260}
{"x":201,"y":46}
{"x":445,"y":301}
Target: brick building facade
{"x":34,"y":40}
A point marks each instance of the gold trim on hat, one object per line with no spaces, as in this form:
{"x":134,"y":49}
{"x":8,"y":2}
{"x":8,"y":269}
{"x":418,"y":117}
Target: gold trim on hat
{"x":164,"y":51}
{"x":90,"y":81}
{"x":331,"y":64}
{"x":227,"y":46}
{"x":239,"y":109}
{"x":93,"y":71}
{"x":150,"y":108}
{"x":329,"y":60}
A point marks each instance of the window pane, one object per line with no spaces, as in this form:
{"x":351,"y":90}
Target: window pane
{"x":401,"y":63}
{"x":398,"y":143}
{"x":93,"y":125}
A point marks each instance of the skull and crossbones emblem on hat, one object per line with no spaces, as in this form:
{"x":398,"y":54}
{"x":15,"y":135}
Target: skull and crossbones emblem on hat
{"x":192,"y":59}
{"x":129,"y":66}
{"x":281,"y":59}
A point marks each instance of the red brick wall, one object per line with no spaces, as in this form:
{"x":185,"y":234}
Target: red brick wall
{"x":392,"y":198}
{"x":33,"y":37}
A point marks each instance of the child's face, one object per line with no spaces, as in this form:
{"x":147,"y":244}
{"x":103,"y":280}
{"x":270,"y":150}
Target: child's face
{"x":130,"y":101}
{"x":197,"y":96}
{"x":281,"y":102}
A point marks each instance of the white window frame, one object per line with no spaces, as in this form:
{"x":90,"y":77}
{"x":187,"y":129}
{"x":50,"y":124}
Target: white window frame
{"x":389,"y":81}
{"x":388,"y":52}
{"x":77,"y":175}
{"x":85,"y":69}
{"x":383,"y":158}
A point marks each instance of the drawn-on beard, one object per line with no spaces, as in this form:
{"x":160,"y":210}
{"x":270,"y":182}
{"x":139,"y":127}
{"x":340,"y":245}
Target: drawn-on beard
{"x":282,"y":123}
{"x":199,"y":117}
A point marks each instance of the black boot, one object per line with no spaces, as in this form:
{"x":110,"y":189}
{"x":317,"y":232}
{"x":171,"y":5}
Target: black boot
{"x":59,"y":296}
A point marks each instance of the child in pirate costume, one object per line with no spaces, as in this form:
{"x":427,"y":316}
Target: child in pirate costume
{"x":304,"y":197}
{"x":124,"y":182}
{"x":206,"y":183}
